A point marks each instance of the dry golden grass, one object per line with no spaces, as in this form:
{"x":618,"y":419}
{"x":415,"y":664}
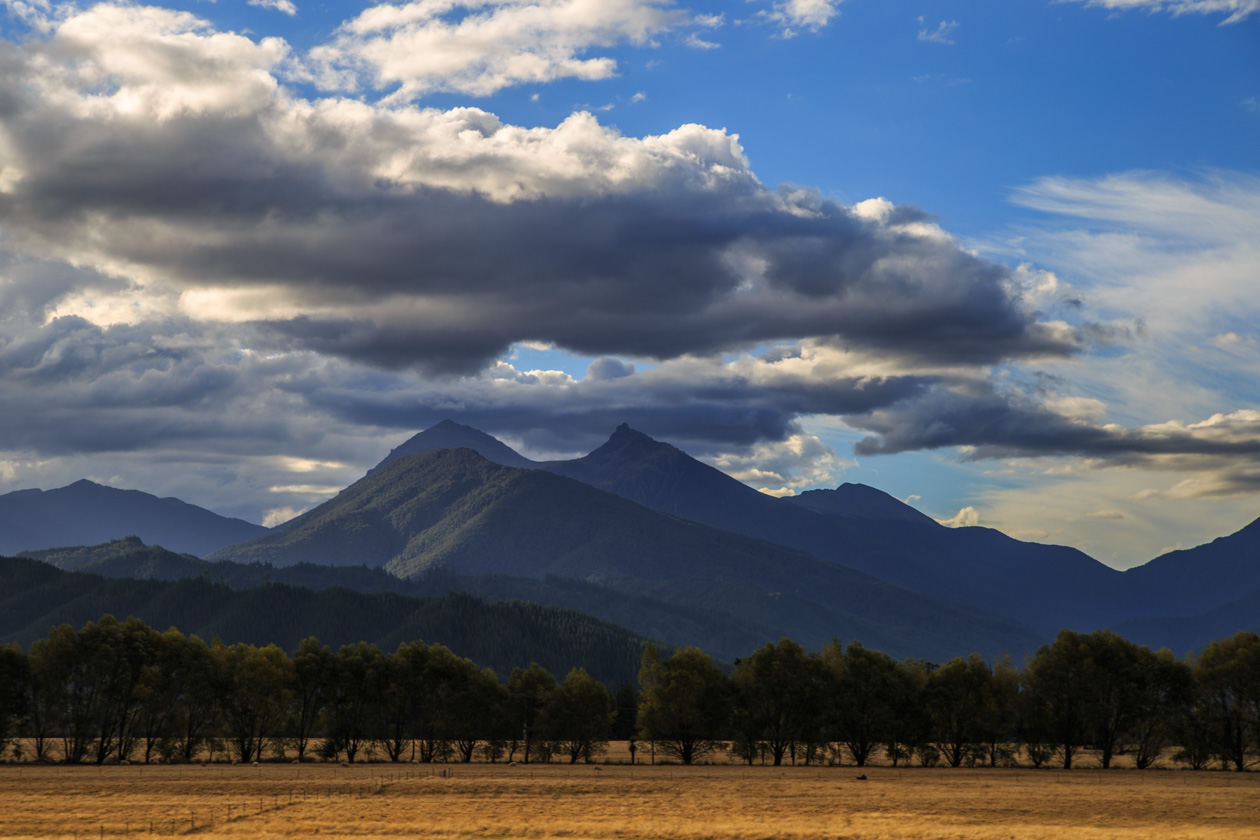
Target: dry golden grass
{"x":615,"y":802}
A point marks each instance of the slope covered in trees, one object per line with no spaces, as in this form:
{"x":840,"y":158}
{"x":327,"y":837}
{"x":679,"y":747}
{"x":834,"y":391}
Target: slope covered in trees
{"x":500,"y":636}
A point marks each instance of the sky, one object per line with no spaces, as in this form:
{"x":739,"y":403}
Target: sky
{"x":998,"y":258}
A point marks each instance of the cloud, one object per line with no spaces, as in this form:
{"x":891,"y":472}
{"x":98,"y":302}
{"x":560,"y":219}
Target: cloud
{"x":782,"y":468}
{"x":939,"y":35}
{"x":697,"y":43}
{"x":606,"y":368}
{"x":285,"y":6}
{"x":990,"y":422}
{"x":1105,"y":514}
{"x":795,"y":15}
{"x":967,"y":517}
{"x":447,"y":236}
{"x":280,"y":515}
{"x":1236,"y":10}
{"x":479,"y":47}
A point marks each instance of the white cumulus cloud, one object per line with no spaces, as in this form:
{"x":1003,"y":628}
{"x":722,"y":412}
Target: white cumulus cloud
{"x":285,"y":6}
{"x":479,"y":47}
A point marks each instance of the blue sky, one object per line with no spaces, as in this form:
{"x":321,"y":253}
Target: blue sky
{"x":996,"y":258}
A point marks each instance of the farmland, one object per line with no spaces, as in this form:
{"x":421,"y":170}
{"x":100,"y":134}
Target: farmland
{"x":618,"y":801}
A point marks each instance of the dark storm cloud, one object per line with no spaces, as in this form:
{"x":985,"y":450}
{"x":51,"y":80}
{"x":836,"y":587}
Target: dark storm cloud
{"x":992,"y":423}
{"x":700,"y":403}
{"x":73,"y":386}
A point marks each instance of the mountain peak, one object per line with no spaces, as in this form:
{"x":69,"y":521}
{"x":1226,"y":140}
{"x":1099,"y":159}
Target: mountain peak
{"x":625,"y":439}
{"x":451,"y":435}
{"x":83,"y":484}
{"x":861,"y":501}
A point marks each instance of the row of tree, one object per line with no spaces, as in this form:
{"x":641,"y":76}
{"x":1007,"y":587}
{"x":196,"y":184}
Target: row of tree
{"x":1094,"y":691}
{"x":121,"y":691}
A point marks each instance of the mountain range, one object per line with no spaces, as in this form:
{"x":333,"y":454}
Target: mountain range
{"x":706,"y":559}
{"x":86,"y":513}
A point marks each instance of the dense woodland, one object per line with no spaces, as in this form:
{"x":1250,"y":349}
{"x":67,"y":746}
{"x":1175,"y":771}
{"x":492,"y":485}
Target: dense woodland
{"x":122,"y":691}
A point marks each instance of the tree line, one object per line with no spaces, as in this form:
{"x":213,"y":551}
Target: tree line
{"x":121,"y":691}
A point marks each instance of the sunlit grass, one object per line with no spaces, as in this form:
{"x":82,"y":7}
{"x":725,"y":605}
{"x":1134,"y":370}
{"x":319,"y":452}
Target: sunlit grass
{"x":617,"y":801}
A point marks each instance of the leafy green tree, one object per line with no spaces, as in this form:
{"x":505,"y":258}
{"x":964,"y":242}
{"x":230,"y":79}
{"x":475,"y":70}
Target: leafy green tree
{"x":778,"y":696}
{"x":529,"y":689}
{"x":478,"y":705}
{"x":15,"y":676}
{"x":163,"y":682}
{"x":1059,"y":692}
{"x":685,"y":705}
{"x":198,"y":713}
{"x":910,"y":728}
{"x":1117,"y":680}
{"x":313,"y":670}
{"x":402,"y":698}
{"x":65,"y":693}
{"x":256,"y":695}
{"x":626,"y":701}
{"x":955,"y":698}
{"x":998,"y":722}
{"x":579,"y":716}
{"x":1167,"y":691}
{"x":1229,"y":672}
{"x":358,"y":683}
{"x":866,"y":688}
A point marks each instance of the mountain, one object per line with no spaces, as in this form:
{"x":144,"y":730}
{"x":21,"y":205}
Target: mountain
{"x":37,"y":597}
{"x":85,"y":513}
{"x":721,"y":634}
{"x":1182,"y":634}
{"x":451,"y":435}
{"x":1048,"y":587}
{"x":128,"y":557}
{"x":862,"y":502}
{"x":454,"y":509}
{"x":1194,"y":580}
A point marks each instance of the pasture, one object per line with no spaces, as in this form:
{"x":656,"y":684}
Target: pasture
{"x":619,"y":801}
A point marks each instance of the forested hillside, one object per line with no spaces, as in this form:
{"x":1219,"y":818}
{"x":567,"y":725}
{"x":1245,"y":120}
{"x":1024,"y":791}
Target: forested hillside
{"x":501,"y":636}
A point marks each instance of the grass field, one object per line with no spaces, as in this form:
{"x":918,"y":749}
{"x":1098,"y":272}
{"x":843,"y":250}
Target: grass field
{"x":616,"y":801}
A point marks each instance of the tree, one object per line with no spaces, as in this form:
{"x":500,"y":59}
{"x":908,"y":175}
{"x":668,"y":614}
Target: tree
{"x":354,"y":699}
{"x":865,"y":686}
{"x":579,"y":715}
{"x":955,"y":698}
{"x":163,"y":683}
{"x":15,"y":675}
{"x":777,"y":698}
{"x":528,"y":692}
{"x":255,"y":696}
{"x":313,"y":670}
{"x":198,"y":712}
{"x":1058,"y":693}
{"x":1166,"y":695}
{"x":626,"y":701}
{"x":1229,"y":672}
{"x":685,"y":703}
